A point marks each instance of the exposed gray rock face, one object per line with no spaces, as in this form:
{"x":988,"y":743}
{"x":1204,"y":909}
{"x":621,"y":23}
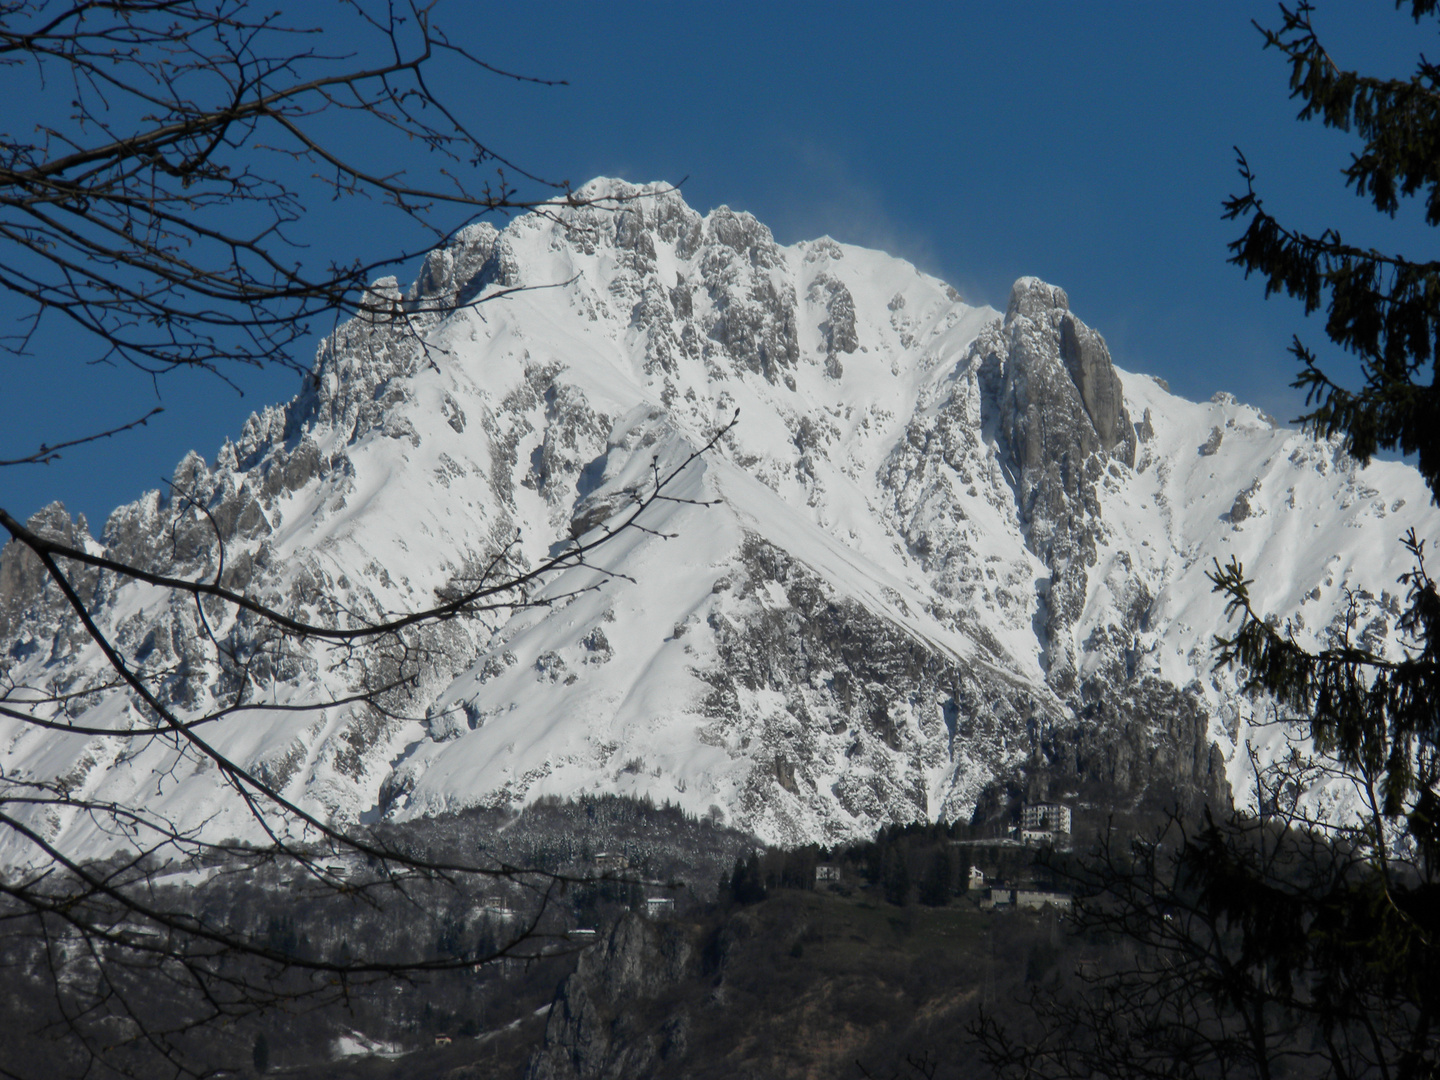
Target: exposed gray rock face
{"x":1133,"y":733}
{"x":32,"y":609}
{"x":1088,"y":362}
{"x":1145,"y":428}
{"x":937,"y":548}
{"x":1032,"y":298}
{"x":839,"y":324}
{"x":592,"y":1033}
{"x":754,"y":320}
{"x":870,"y":714}
{"x":452,"y":274}
{"x":1058,"y":410}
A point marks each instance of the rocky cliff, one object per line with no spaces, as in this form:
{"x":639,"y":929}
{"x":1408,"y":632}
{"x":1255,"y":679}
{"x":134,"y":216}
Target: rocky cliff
{"x":943,"y":542}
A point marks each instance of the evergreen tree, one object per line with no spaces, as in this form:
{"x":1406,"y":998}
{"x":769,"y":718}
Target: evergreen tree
{"x":747,"y":883}
{"x":1378,"y":717}
{"x":799,"y":868}
{"x":895,"y":872}
{"x":1291,"y":941}
{"x":938,"y":884}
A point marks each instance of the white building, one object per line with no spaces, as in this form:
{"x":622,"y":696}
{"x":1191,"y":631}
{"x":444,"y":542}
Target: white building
{"x":1046,"y":817}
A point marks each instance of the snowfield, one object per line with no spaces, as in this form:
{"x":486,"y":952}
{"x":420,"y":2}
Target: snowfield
{"x":941,"y":540}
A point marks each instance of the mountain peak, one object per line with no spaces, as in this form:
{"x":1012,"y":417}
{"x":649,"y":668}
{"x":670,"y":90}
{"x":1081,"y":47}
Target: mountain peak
{"x":614,"y":189}
{"x":1030,"y":296}
{"x":939,"y":547}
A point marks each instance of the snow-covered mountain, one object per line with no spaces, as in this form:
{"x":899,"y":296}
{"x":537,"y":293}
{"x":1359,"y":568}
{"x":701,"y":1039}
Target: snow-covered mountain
{"x":944,"y":541}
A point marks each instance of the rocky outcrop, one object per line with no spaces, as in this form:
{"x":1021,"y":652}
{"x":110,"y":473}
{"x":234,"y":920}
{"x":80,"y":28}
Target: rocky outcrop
{"x":843,"y":710}
{"x":452,"y":275}
{"x":936,"y":548}
{"x":593,"y":1031}
{"x":838,"y":326}
{"x":32,"y":609}
{"x":1057,"y":407}
{"x":1088,"y":362}
{"x":754,"y":319}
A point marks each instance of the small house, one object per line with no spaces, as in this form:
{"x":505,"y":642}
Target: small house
{"x":607,"y":862}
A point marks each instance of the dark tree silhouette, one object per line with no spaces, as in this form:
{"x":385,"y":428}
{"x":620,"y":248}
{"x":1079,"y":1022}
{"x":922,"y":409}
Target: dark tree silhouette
{"x":1297,"y":940}
{"x":149,"y":208}
{"x":1238,"y":948}
{"x":1377,"y":718}
{"x":154,"y":212}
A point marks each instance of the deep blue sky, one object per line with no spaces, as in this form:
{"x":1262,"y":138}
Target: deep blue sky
{"x":1087,"y":144}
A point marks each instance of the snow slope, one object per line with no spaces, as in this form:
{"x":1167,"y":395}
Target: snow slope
{"x":943,"y":541}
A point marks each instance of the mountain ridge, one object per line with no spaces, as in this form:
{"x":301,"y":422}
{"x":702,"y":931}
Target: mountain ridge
{"x":947,"y":543}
